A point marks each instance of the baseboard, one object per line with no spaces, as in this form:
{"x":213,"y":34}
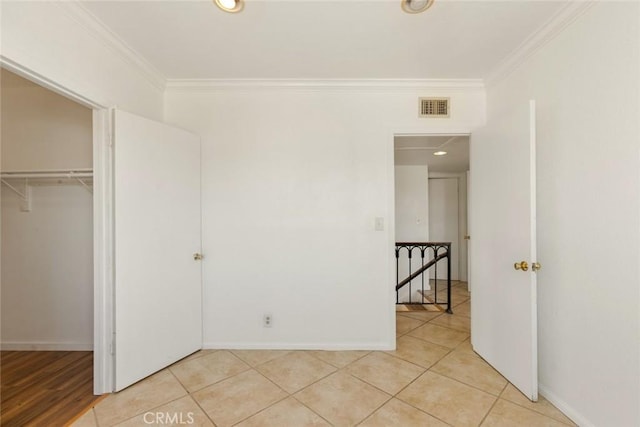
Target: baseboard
{"x":46,"y":346}
{"x":567,"y":409}
{"x":297,"y":346}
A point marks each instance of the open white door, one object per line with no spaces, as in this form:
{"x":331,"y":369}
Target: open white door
{"x":158,"y":281}
{"x":503,"y":233}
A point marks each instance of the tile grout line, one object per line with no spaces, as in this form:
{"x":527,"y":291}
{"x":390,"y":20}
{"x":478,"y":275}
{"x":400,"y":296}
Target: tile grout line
{"x":215,"y":382}
{"x":391,"y":396}
{"x":288,"y":395}
{"x":193,"y":399}
{"x":311,"y":409}
{"x":450,"y":350}
{"x":310,"y":384}
{"x":488,"y":412}
{"x":338,"y":367}
{"x":369,"y":384}
{"x":266,"y":407}
{"x":151,"y":409}
{"x":468,"y":385}
{"x":285,"y":352}
{"x":441,"y":345}
{"x":536,"y":411}
{"x":396,"y":396}
{"x":375,"y":410}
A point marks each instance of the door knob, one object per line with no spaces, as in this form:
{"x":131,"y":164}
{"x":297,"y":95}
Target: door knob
{"x":197,"y":257}
{"x":521,"y":266}
{"x":535,"y":266}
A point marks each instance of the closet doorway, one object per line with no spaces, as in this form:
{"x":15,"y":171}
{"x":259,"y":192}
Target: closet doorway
{"x":47,"y":253}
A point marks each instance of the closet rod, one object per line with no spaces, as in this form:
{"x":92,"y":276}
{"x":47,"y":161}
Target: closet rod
{"x":49,"y":173}
{"x":48,"y":170}
{"x":59,"y":175}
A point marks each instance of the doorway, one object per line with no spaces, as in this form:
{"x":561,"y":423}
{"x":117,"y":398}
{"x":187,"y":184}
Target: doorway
{"x":47,"y":251}
{"x":431,"y":198}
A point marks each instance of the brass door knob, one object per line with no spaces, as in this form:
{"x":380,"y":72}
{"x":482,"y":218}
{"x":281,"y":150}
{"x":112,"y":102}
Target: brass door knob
{"x":197,"y":257}
{"x":535,"y":266}
{"x":521,"y":266}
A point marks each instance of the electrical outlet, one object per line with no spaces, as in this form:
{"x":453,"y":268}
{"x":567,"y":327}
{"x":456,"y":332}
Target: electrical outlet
{"x":267,"y":320}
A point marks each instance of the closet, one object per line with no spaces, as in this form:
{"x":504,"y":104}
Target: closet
{"x":46,"y":242}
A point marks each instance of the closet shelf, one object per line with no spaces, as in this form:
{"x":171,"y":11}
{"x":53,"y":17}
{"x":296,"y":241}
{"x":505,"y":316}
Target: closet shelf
{"x":82,"y":176}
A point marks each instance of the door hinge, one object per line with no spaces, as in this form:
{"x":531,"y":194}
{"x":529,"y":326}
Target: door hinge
{"x":112,"y":345}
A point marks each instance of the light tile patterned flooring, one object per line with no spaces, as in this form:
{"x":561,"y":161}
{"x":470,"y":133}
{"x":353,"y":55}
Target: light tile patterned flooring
{"x":433,"y":378}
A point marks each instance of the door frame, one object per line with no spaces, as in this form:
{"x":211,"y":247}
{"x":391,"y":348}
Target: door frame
{"x":103,"y":267}
{"x":391,"y":203}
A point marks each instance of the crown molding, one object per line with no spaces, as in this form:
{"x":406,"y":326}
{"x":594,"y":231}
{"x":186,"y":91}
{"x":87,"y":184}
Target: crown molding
{"x":204,"y":85}
{"x":101,"y":32}
{"x":543,"y":35}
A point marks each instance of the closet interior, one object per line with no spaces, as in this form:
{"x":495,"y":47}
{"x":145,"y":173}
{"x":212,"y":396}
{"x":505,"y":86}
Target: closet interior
{"x":47,"y":253}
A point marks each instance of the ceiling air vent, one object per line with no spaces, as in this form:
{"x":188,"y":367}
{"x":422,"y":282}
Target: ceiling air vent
{"x":434,"y":107}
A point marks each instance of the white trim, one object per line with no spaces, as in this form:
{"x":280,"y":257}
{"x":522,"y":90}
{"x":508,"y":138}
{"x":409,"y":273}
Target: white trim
{"x":203,"y":85}
{"x":391,"y":239}
{"x":102,"y":223}
{"x":103,"y":274}
{"x":46,"y":346}
{"x":544,"y":34}
{"x":533,"y":247}
{"x":446,"y":175}
{"x":366,"y":346}
{"x":451,"y":134}
{"x":14,"y":67}
{"x":564,"y":407}
{"x":103,"y":33}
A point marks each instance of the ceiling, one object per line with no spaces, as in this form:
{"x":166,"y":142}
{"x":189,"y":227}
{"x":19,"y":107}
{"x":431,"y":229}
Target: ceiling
{"x":323,"y":39}
{"x":418,"y":150}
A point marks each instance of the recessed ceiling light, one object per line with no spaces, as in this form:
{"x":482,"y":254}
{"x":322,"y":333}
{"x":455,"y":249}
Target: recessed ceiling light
{"x":439,"y":153}
{"x":416,"y":6}
{"x":231,"y":6}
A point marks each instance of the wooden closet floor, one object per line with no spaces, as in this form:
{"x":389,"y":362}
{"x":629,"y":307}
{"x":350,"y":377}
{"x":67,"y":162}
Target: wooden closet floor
{"x":46,"y":388}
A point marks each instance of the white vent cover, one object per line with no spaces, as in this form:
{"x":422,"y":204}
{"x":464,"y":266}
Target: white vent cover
{"x":434,"y":107}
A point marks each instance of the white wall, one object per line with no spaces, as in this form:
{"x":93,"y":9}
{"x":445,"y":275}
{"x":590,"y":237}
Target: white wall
{"x":444,"y":222}
{"x":47,"y":254}
{"x":42,"y":130}
{"x":55,"y":40}
{"x":412,"y":203}
{"x":412,"y":221}
{"x":586,"y":85}
{"x":292,"y":182}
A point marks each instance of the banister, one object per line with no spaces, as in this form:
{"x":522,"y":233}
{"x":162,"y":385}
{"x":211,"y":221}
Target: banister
{"x":423,"y":247}
{"x":420,"y":271}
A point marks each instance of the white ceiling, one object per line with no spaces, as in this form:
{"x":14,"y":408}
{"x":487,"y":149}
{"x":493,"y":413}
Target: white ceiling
{"x":323,"y":39}
{"x":418,"y":150}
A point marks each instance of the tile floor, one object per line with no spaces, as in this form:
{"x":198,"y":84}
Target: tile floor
{"x":433,"y":378}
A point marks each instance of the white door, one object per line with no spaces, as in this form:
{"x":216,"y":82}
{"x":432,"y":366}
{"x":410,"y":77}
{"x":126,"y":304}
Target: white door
{"x":503,"y":232}
{"x":158,"y":288}
{"x":443,"y":222}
